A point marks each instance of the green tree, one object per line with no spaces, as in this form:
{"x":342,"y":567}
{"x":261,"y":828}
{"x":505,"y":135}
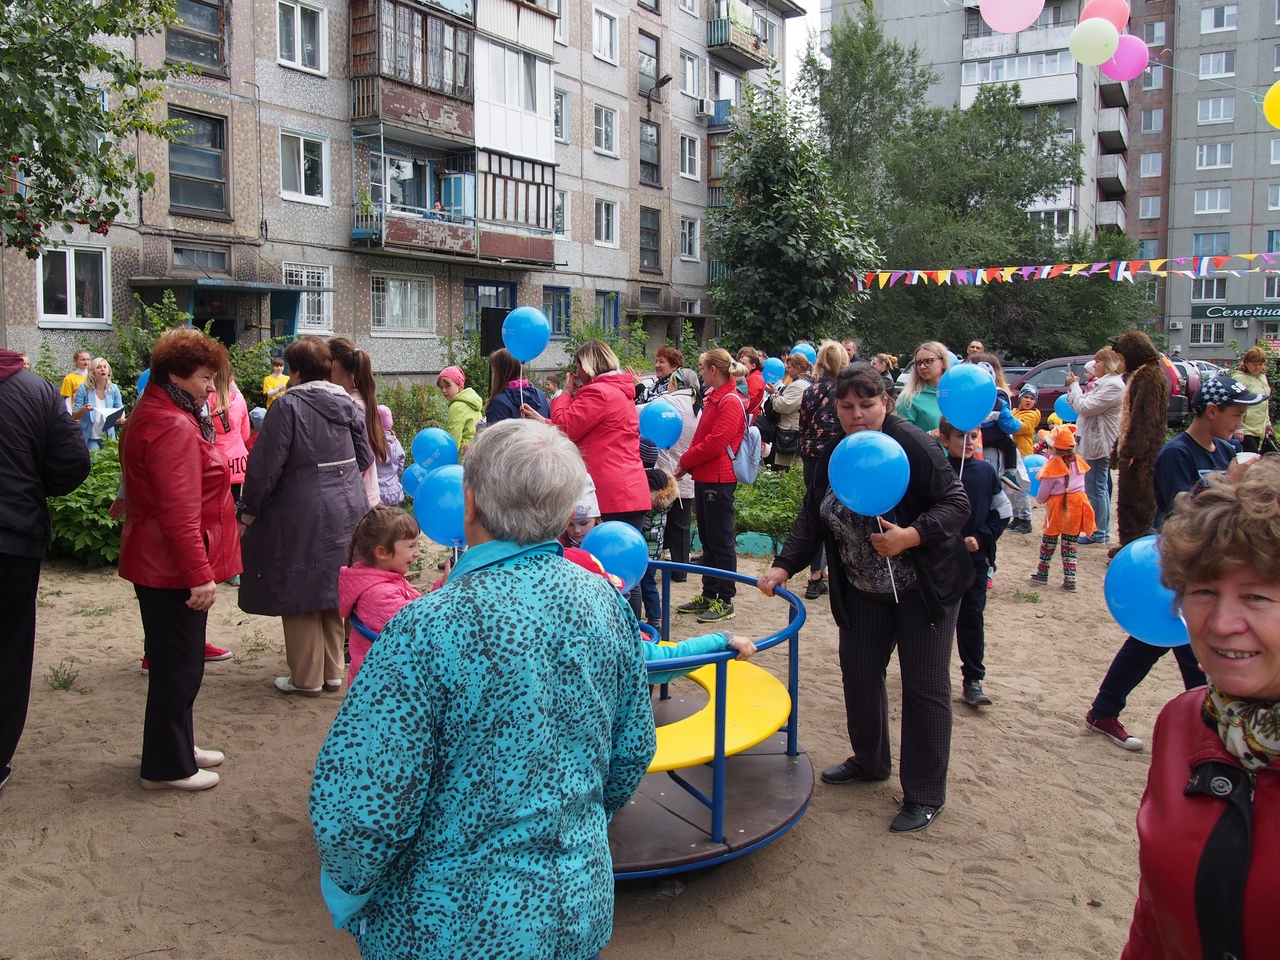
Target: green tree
{"x":67,"y":160}
{"x":785,"y":234}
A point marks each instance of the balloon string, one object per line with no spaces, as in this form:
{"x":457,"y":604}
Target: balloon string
{"x":964,"y":445}
{"x":889,"y":563}
{"x":522,"y":383}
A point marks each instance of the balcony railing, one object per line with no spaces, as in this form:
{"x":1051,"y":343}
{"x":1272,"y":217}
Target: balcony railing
{"x":397,"y":225}
{"x":718,"y":270}
{"x":720,"y":116}
{"x":737,"y":45}
{"x":715,"y":197}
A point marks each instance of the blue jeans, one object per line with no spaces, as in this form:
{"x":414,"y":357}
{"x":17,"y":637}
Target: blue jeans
{"x":1097,"y":488}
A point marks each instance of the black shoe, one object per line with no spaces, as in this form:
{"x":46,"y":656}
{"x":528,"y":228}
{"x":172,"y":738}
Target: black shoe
{"x":846,"y":772}
{"x":679,"y":577}
{"x":815,"y":589}
{"x":696,"y":560}
{"x":913,"y":817}
{"x":973,"y":694}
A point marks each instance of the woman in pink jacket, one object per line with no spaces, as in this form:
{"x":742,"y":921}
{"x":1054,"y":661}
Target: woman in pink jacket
{"x":230,"y":431}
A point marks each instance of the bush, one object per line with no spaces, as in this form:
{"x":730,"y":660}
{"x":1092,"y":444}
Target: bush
{"x":81,"y":527}
{"x":413,"y":408}
{"x":770,"y":505}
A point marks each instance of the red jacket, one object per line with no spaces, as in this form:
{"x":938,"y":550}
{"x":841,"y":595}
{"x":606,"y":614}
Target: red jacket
{"x":1172,"y":830}
{"x":180,"y":524}
{"x":722,"y":425}
{"x":601,"y":418}
{"x":755,"y":392}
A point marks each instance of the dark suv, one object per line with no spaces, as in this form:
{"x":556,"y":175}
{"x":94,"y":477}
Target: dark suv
{"x":1050,"y":378}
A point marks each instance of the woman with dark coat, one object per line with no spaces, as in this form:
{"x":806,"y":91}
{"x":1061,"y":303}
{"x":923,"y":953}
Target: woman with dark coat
{"x":918,"y":545}
{"x":303,"y":496}
{"x":508,"y":389}
{"x":179,"y":542}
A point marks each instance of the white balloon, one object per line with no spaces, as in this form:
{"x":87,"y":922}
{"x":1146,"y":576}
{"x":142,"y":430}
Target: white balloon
{"x":1094,"y":41}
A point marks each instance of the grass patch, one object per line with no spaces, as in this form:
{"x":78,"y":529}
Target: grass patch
{"x":62,"y":676}
{"x":253,"y":648}
{"x":1022,"y":596}
{"x":95,"y":611}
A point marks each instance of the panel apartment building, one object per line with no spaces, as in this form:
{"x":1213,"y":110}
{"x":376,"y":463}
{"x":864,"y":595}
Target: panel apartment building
{"x":384,"y":169}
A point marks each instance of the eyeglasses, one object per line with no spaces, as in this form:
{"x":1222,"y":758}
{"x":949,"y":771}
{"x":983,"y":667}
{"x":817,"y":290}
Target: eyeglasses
{"x":927,"y":362}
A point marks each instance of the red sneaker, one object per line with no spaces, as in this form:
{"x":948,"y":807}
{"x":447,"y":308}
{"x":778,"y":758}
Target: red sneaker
{"x":146,"y":668}
{"x":212,"y":653}
{"x":1113,"y":730}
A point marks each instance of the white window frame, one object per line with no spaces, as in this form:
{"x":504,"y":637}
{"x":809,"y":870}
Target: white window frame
{"x":1216,"y":110}
{"x":1149,"y":208}
{"x":1209,"y":290}
{"x":325,"y":180}
{"x":1197,"y":329}
{"x":604,"y":47}
{"x":564,"y":98}
{"x":1275,"y":150}
{"x":1214,"y":151}
{"x":1230,"y":12}
{"x":561,"y":201}
{"x":691,"y":6}
{"x":690,"y":157}
{"x":322,"y":40}
{"x":1157,"y":120}
{"x":1220,"y":63}
{"x":1151,"y":165}
{"x":1273,"y":196}
{"x":419,"y":327}
{"x":558,"y":8}
{"x":320,"y":303}
{"x":610,"y":209}
{"x":602,"y":132}
{"x":1219,"y":194}
{"x":69,"y":321}
{"x":690,"y":239}
{"x":1153,"y":77}
{"x":690,"y":63}
{"x":1153,"y":33}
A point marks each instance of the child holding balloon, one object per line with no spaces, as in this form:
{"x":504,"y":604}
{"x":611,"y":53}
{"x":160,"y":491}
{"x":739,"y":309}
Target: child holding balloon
{"x":1068,"y":513}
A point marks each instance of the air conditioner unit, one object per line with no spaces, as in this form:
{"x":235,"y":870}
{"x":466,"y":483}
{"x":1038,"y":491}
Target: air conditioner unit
{"x":1241,"y":324}
{"x":1175,"y":324}
{"x":706,"y":108}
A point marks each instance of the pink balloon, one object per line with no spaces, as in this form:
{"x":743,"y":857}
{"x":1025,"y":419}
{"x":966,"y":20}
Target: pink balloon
{"x":1129,"y":60}
{"x":1010,"y":16}
{"x":1117,"y":11}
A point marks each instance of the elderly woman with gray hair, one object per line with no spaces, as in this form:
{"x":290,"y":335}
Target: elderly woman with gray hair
{"x":461,"y":800}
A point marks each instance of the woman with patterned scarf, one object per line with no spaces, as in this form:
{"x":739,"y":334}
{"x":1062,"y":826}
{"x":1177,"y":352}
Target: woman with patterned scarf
{"x":1209,"y":824}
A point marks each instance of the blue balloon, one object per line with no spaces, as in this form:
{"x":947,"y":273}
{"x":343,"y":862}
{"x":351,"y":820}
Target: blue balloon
{"x":966,"y":394}
{"x":434,"y":448}
{"x":774,"y":370}
{"x":144,"y":380}
{"x":1137,"y":599}
{"x":1033,"y":463}
{"x":869,"y":472}
{"x":621,"y":550}
{"x":661,"y":423}
{"x":439,"y":506}
{"x":526,"y":333}
{"x":806,"y":350}
{"x":1066,"y":413}
{"x":952,"y":360}
{"x":412,"y":478}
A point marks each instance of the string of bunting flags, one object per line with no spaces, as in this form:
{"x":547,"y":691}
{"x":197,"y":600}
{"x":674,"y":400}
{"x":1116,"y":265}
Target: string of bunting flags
{"x":1126,"y":270}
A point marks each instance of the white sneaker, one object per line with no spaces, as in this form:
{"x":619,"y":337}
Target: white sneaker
{"x":284,"y":686}
{"x":200,"y":780}
{"x":208,"y":758}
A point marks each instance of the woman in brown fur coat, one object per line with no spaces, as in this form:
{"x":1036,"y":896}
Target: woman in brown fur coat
{"x":1142,"y":426}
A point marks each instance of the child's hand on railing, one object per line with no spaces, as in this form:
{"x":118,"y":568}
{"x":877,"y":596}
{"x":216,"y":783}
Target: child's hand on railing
{"x":742,"y":645}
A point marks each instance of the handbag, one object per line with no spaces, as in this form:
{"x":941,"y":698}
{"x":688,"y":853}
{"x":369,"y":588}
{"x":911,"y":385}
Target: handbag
{"x":787,"y":442}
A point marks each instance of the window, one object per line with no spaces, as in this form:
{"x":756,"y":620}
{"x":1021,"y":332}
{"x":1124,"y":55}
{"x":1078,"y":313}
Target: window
{"x":398,"y":184}
{"x":607,"y":304}
{"x":726,"y":86}
{"x":690,"y":238}
{"x":1273,"y":241}
{"x":688,"y":307}
{"x":1152,"y":120}
{"x":196,"y":36}
{"x":717,"y":153}
{"x":1216,"y":110}
{"x":1148,"y":208}
{"x":1213,"y":200}
{"x":1210,"y":244}
{"x":650,"y":153}
{"x":423,"y":50}
{"x":689,"y":157}
{"x":606,"y":121}
{"x":691,"y":6}
{"x":478,"y":294}
{"x":1153,"y":33}
{"x":315,"y":308}
{"x":690,"y":73}
{"x":1277,"y":58}
{"x":302,"y":37}
{"x":1275,"y":151}
{"x":1207,"y":333}
{"x":1221,"y":64}
{"x":1149,"y":248}
{"x":649,"y":4}
{"x":1057,"y":221}
{"x":1151,"y":164}
{"x":650,"y":297}
{"x":210,"y":259}
{"x":1210,"y":155}
{"x":557,"y":304}
{"x":73,"y":287}
{"x":1273,"y":197}
{"x":403,"y":304}
{"x":1272,"y":289}
{"x":1208,"y":290}
{"x":647,"y":66}
{"x":650,"y":238}
{"x":513,"y":78}
{"x":303,"y":167}
{"x":1018,"y":68}
{"x":560,"y":214}
{"x":606,"y":223}
{"x":604,"y":35}
{"x":560,"y":115}
{"x":1153,"y":77}
{"x":1213,"y":19}
{"x":766,"y":30}
{"x":197,"y":163}
{"x":556,"y":7}
{"x":514,"y":190}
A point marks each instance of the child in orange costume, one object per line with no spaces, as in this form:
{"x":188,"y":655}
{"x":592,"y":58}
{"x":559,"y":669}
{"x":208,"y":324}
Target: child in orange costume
{"x":1067,"y":511}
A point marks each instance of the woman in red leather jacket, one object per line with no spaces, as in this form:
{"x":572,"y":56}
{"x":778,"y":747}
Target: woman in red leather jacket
{"x":179,"y":542}
{"x":1209,"y":824}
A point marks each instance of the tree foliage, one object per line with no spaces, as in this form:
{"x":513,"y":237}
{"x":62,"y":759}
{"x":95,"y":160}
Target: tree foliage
{"x":785,"y":232}
{"x":67,"y":155}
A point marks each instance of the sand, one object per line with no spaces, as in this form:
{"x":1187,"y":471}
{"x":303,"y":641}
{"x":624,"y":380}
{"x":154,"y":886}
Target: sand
{"x":1035,"y":853}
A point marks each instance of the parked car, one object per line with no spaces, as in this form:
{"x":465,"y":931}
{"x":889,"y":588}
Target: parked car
{"x":1050,"y":379}
{"x":1209,"y":369}
{"x":1013,"y":373}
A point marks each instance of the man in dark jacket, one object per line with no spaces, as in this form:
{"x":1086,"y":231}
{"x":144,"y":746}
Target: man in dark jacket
{"x":42,"y":454}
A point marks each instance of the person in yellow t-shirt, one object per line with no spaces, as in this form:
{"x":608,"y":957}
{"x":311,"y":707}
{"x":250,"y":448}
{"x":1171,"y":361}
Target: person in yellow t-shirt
{"x":276,"y":384}
{"x":75,"y":379}
{"x":1029,"y":417}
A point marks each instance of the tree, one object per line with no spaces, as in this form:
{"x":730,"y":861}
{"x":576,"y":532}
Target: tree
{"x":70,"y":100}
{"x":785,"y":233}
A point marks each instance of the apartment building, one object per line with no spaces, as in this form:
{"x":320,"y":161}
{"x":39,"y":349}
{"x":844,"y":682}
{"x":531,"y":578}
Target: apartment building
{"x":388,"y":169}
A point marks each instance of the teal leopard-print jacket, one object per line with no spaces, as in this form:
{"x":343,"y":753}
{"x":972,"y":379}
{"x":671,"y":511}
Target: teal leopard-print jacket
{"x":461,"y":801}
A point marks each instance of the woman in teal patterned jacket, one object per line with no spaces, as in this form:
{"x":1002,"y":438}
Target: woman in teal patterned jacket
{"x":461,"y":801}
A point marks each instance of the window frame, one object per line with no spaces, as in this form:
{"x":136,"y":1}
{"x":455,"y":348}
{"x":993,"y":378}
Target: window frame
{"x":1271,"y":289}
{"x":1202,"y":247}
{"x":1219,"y":191}
{"x":1144,"y":167}
{"x":653,"y":233}
{"x":646,"y":83}
{"x":690,"y":239}
{"x":561,"y":204}
{"x":1148,"y":254}
{"x":560,"y":30}
{"x":418,"y":63}
{"x":1228,"y":64}
{"x":1209,"y":290}
{"x":185,"y":210}
{"x":199,"y":269}
{"x":1149,"y":207}
{"x":597,"y":17}
{"x":1154,"y":33}
{"x":691,"y":7}
{"x":1153,"y":77}
{"x":557,"y":305}
{"x":652,"y":166}
{"x":1156,"y":115}
{"x":610,"y":209}
{"x":605,"y":131}
{"x":385,"y":330}
{"x":561,"y":125}
{"x":1202,"y":155}
{"x":1207,"y":15}
{"x":1275,"y":150}
{"x":689,"y":59}
{"x":1217,"y":330}
{"x":325,"y":298}
{"x":69,"y":320}
{"x":690,"y":171}
{"x":1273,"y":193}
{"x":182,"y":29}
{"x":1205,"y":110}
{"x":610,"y":313}
{"x":325,"y":198}
{"x":322,"y":39}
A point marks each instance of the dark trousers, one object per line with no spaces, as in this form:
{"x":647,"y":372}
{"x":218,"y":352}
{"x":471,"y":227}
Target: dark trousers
{"x":971,"y":637}
{"x":1130,"y":667}
{"x":1252,"y":444}
{"x":19,"y":580}
{"x":677,"y":539}
{"x":819,"y":564}
{"x":633,"y":519}
{"x":713,"y":503}
{"x":174,"y":635}
{"x":924,"y":656}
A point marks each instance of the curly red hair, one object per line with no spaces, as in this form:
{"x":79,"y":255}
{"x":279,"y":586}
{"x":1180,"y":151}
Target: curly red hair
{"x":183,"y":350}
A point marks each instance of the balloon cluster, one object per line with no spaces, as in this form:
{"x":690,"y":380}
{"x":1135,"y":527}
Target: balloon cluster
{"x":1097,"y":40}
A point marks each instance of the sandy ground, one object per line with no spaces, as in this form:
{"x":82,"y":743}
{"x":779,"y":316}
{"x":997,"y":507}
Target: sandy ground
{"x":1035,"y":853}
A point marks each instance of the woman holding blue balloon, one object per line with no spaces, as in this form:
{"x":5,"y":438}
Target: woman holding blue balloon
{"x":889,"y":510}
{"x":508,"y":390}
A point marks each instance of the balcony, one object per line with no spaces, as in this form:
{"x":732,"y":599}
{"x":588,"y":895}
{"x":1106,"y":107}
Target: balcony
{"x":736,"y":44}
{"x":1111,"y":216}
{"x":508,"y":244}
{"x":715,"y":197}
{"x":1113,"y":93}
{"x":1113,"y":129}
{"x":720,"y":115}
{"x":432,"y":116}
{"x":1113,"y":175}
{"x":412,"y":229}
{"x":717,"y":270}
{"x":1058,"y":88}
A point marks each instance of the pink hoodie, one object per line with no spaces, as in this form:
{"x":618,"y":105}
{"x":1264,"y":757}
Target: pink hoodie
{"x":374,"y":596}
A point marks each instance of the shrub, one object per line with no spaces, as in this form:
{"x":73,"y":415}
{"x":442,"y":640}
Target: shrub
{"x":81,"y":527}
{"x":413,"y":407}
{"x":770,"y":505}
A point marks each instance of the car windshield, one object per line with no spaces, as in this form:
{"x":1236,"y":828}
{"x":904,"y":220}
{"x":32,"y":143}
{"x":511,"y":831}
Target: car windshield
{"x":1054,"y":376}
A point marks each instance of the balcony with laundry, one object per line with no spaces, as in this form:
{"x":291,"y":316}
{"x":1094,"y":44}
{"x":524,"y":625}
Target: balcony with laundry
{"x":732,"y":36}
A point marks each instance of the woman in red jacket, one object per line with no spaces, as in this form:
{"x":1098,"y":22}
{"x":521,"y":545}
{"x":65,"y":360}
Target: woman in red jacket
{"x":179,"y":542}
{"x":724,"y":420}
{"x":749,"y":357}
{"x":1209,"y":824}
